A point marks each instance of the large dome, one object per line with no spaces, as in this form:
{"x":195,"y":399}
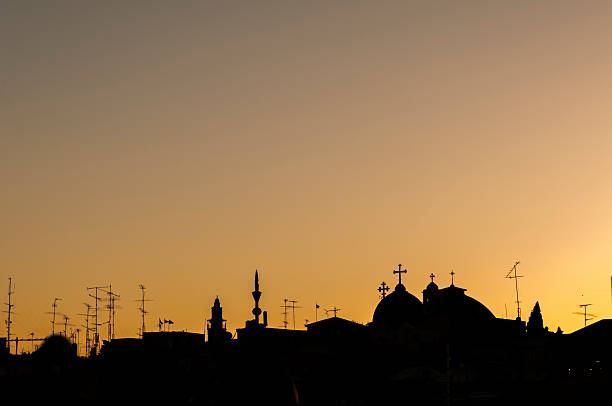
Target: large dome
{"x":398,"y":307}
{"x":454,"y":305}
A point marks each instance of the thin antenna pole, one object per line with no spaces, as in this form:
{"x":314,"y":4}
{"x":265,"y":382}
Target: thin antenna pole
{"x":54,"y":305}
{"x":293,"y":306}
{"x":9,"y":311}
{"x":78,"y":340}
{"x":87,"y":329}
{"x":584,"y":313}
{"x":142,"y":310}
{"x":285,"y":306}
{"x":515,"y":277}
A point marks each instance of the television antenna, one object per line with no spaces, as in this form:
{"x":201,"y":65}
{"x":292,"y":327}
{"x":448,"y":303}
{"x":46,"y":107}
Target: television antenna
{"x":335,"y":310}
{"x":9,"y":312}
{"x":293,"y":307}
{"x":96,"y":338}
{"x":285,"y":306}
{"x":514,"y":276}
{"x":112,"y":297}
{"x":54,"y":313}
{"x":141,"y":309}
{"x":584,"y":313}
{"x":87,"y":328}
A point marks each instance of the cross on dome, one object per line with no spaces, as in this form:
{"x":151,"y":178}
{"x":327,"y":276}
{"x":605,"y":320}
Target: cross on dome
{"x":383,"y":289}
{"x":432,"y":276}
{"x":399,"y":272}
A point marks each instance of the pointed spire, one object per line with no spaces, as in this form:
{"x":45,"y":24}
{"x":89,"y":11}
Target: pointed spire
{"x":256,"y":281}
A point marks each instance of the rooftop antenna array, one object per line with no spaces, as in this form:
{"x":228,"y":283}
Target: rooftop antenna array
{"x":9,"y":312}
{"x":514,"y":276}
{"x":112,"y":297}
{"x":96,"y":337}
{"x":142,"y":310}
{"x":585,"y":314}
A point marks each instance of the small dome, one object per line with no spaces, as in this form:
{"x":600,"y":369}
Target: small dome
{"x":432,"y":286}
{"x":398,"y":307}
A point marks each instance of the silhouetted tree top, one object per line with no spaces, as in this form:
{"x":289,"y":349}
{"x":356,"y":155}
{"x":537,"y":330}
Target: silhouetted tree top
{"x":535,"y":324}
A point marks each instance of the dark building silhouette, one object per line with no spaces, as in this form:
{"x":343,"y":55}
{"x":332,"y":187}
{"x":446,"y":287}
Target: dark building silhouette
{"x":447,"y":349}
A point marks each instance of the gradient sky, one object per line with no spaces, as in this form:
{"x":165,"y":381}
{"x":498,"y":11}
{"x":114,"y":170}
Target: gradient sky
{"x":182,"y":145}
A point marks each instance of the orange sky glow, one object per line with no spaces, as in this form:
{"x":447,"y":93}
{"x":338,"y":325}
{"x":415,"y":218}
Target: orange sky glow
{"x":184,"y":145}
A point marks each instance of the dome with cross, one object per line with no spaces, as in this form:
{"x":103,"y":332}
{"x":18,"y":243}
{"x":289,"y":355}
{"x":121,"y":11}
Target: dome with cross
{"x":398,"y":307}
{"x":453,"y":307}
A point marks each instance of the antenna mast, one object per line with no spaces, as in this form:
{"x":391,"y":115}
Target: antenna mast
{"x":585,"y":314}
{"x":87,"y":329}
{"x":66,"y":324}
{"x":142,"y":310}
{"x":515,"y":277}
{"x":285,"y":306}
{"x":335,"y":310}
{"x":54,"y":305}
{"x":112,"y":297}
{"x":293,"y":307}
{"x":96,"y":298}
{"x":9,"y":311}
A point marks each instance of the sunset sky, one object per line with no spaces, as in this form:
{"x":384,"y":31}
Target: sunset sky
{"x":182,"y":145}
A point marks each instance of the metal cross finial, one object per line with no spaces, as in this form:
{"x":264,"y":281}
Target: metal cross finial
{"x":452,"y":274}
{"x":432,"y":276}
{"x":383,"y":289}
{"x":399,"y":272}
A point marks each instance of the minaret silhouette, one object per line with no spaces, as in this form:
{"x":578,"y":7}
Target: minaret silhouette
{"x":256,"y":295}
{"x":216,"y":325}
